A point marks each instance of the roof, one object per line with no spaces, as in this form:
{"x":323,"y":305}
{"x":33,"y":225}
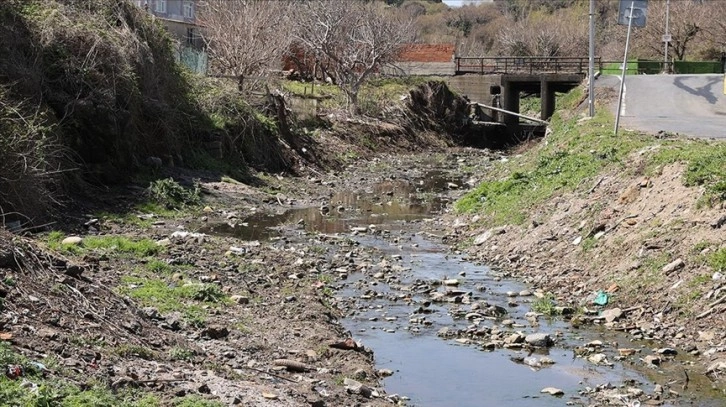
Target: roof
{"x":427,"y":53}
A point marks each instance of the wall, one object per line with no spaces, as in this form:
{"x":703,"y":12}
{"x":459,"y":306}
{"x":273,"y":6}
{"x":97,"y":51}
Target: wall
{"x":427,"y":53}
{"x":420,"y":69}
{"x":475,"y":87}
{"x":424,"y":60}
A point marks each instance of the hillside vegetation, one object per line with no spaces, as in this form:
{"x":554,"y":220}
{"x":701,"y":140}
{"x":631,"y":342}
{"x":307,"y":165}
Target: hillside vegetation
{"x":89,"y":90}
{"x":560,"y":28}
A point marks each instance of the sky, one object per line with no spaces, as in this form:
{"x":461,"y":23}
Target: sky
{"x":457,"y":3}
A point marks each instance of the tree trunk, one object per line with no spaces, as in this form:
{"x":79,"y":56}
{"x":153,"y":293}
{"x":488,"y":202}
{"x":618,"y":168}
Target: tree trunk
{"x":352,"y":95}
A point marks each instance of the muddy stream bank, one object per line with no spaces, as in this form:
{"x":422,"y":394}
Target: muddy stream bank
{"x":449,"y":332}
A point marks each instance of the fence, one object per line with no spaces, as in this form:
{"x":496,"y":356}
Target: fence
{"x":648,"y":67}
{"x":514,"y":64}
{"x":195,"y":60}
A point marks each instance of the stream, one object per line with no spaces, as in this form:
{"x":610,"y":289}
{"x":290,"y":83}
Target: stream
{"x":427,"y":333}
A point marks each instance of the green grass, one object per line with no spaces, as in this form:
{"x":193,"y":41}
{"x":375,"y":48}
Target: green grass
{"x":545,"y":305}
{"x":700,"y":246}
{"x":159,"y":210}
{"x":157,"y":266}
{"x":172,"y":195}
{"x":131,"y":216}
{"x":530,"y":105}
{"x":654,"y":264}
{"x":647,"y":276}
{"x":374,"y":96}
{"x":127,"y":351}
{"x":55,"y":238}
{"x":125,"y":218}
{"x":108,"y":243}
{"x":588,"y":244}
{"x":181,"y":353}
{"x":230,"y":180}
{"x":574,"y":156}
{"x":306,"y":89}
{"x":693,"y":291}
{"x":189,"y":299}
{"x":53,"y":390}
{"x":196,"y":401}
{"x":555,"y":169}
{"x":717,"y":260}
{"x":121,"y":244}
{"x":704,"y":165}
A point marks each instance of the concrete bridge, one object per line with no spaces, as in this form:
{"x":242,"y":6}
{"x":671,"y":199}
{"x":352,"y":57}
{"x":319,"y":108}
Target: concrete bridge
{"x":500,"y":82}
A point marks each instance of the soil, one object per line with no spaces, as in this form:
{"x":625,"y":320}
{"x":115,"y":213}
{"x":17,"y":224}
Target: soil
{"x":643,"y":241}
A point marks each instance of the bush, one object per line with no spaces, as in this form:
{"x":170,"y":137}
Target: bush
{"x":31,"y":159}
{"x":92,"y":85}
{"x":172,"y":195}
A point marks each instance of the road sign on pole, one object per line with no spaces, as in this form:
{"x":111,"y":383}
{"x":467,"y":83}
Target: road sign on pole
{"x":591,"y":62}
{"x":638,"y":13}
{"x":631,"y":20}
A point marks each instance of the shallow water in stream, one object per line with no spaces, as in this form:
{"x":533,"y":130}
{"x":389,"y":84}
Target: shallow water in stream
{"x":430,"y":370}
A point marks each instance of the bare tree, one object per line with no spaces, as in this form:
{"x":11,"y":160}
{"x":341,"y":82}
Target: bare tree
{"x":560,"y":33}
{"x":687,"y":22}
{"x":245,"y":37}
{"x":715,"y":30}
{"x":353,"y":38}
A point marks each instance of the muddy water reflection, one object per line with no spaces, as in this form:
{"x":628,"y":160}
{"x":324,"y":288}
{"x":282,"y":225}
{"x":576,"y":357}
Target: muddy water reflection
{"x":385,"y":203}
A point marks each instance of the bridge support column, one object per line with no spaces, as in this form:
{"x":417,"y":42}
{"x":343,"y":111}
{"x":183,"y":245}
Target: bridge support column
{"x":510,"y":96}
{"x":547,"y":94}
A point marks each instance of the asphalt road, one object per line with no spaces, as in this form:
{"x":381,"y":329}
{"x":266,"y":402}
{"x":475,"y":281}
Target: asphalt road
{"x":691,"y":105}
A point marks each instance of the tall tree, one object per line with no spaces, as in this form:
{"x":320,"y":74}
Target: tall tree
{"x":541,"y":33}
{"x":245,"y":37}
{"x":687,"y":21}
{"x":353,"y":38}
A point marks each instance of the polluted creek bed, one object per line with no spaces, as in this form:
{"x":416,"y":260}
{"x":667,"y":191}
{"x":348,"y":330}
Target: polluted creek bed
{"x":385,"y":203}
{"x":448,"y":332}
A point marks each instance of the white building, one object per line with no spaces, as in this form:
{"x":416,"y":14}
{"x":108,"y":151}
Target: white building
{"x":179,"y":16}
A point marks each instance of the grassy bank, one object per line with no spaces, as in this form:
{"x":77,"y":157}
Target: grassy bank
{"x":577,"y":153}
{"x":584,"y":210}
{"x":90,"y":90}
{"x":375,"y":95}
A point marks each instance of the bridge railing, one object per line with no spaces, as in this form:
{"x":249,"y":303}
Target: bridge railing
{"x":531,"y":65}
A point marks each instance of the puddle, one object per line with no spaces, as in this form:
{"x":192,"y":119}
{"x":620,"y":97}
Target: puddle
{"x":387,"y":202}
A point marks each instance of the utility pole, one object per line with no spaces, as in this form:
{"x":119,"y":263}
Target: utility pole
{"x":666,"y":38}
{"x":591,"y":62}
{"x":625,"y":67}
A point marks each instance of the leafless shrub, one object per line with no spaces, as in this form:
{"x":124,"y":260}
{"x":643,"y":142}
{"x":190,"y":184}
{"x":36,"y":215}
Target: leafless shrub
{"x":687,"y":21}
{"x":543,"y":34}
{"x":354,"y":39}
{"x":245,"y":37}
{"x":31,"y":162}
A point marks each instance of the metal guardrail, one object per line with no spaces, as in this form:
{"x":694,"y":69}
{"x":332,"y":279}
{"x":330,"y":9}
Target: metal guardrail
{"x":531,"y":65}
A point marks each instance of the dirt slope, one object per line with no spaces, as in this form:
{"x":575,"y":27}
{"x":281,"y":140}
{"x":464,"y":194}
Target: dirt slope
{"x":643,"y":240}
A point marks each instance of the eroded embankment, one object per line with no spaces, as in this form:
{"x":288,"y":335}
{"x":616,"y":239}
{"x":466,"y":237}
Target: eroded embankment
{"x":629,"y":231}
